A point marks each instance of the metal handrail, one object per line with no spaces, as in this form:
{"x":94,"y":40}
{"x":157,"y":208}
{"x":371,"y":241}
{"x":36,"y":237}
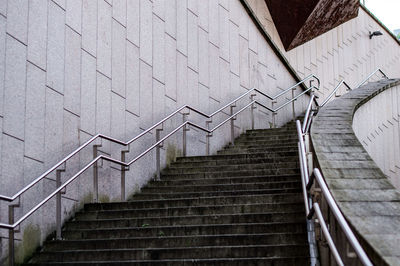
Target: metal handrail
{"x":307,"y":115}
{"x":114,"y":140}
{"x":313,"y":208}
{"x":342,"y":82}
{"x":370,"y":75}
{"x":340,"y":218}
{"x":13,"y":224}
{"x":121,"y":163}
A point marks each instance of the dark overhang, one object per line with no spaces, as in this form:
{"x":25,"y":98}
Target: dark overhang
{"x":299,"y":21}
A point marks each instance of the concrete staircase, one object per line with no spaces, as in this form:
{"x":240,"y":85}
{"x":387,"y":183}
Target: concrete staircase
{"x":242,"y":206}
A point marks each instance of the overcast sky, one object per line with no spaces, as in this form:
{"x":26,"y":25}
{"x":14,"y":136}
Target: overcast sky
{"x":387,"y":11}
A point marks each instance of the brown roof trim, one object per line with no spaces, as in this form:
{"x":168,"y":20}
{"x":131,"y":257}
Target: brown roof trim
{"x":271,"y":43}
{"x":379,"y":22}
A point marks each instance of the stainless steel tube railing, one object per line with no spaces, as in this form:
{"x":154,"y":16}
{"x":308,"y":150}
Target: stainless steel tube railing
{"x":101,"y":136}
{"x":311,"y":208}
{"x":58,"y":191}
{"x":370,"y":75}
{"x":342,"y":82}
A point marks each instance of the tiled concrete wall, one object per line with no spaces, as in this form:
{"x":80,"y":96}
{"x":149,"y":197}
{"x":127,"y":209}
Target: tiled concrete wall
{"x":345,"y":52}
{"x":376,"y":124}
{"x":70,"y":69}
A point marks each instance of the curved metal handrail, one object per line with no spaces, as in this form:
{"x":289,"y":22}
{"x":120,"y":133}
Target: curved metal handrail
{"x":370,"y":75}
{"x":114,"y":140}
{"x":342,"y":82}
{"x":313,"y":208}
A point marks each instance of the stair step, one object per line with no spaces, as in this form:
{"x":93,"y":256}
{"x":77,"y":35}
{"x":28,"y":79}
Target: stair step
{"x":152,"y":187}
{"x":243,"y":155}
{"x":215,"y":200}
{"x":234,"y":150}
{"x":179,"y":241}
{"x":216,"y":174}
{"x":276,"y":261}
{"x":180,"y":230}
{"x":272,"y":134}
{"x":175,"y":252}
{"x":243,"y":161}
{"x":190,"y":210}
{"x":282,"y":137}
{"x":201,"y":194}
{"x":232,"y":167}
{"x":226,"y":180}
{"x":185,"y":220}
{"x":266,"y":143}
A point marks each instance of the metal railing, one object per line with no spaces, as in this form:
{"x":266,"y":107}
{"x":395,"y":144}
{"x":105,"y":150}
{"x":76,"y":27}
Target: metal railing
{"x":370,"y":75}
{"x":334,"y":91}
{"x":308,"y":178}
{"x":159,"y":126}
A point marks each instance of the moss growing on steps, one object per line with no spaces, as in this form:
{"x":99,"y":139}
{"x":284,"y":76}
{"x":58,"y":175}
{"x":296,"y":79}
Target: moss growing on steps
{"x":104,"y":198}
{"x":172,"y":153}
{"x":30,"y":243}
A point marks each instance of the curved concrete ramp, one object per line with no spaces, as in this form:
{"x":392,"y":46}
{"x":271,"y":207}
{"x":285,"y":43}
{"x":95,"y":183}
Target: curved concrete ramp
{"x":366,"y":197}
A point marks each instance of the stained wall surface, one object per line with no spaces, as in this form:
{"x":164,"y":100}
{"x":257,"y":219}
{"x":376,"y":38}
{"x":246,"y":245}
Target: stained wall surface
{"x":345,"y":52}
{"x":376,"y":125}
{"x":70,"y":69}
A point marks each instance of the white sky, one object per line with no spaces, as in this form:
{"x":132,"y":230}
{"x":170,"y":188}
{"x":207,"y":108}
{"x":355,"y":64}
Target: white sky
{"x":387,"y":11}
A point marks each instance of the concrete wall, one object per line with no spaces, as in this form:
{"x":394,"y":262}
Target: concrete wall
{"x":345,"y":52}
{"x":376,"y":124}
{"x":70,"y":69}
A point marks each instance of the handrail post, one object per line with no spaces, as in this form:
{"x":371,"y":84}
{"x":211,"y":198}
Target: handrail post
{"x":232,"y":126}
{"x":273,"y":114}
{"x":184,"y":135}
{"x":11,"y":251}
{"x":11,"y":233}
{"x":308,"y":154}
{"x":58,"y":204}
{"x":158,"y":157}
{"x":123,"y":174}
{"x":293,"y":109}
{"x":252,"y":111}
{"x":208,"y":136}
{"x":95,"y":175}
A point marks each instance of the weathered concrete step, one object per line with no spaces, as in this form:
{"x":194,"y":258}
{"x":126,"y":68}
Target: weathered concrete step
{"x":281,"y":137}
{"x":152,"y":188}
{"x":216,"y":174}
{"x":257,"y":150}
{"x":174,"y":253}
{"x":281,"y":261}
{"x":229,"y":200}
{"x":243,"y":155}
{"x":181,"y":230}
{"x":226,"y":180}
{"x":200,"y":194}
{"x":191,"y":210}
{"x":289,"y":126}
{"x":275,"y":134}
{"x":186,"y":220}
{"x":277,"y":159}
{"x":179,"y":241}
{"x":285,"y":145}
{"x":232,"y":167}
{"x":266,"y":143}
